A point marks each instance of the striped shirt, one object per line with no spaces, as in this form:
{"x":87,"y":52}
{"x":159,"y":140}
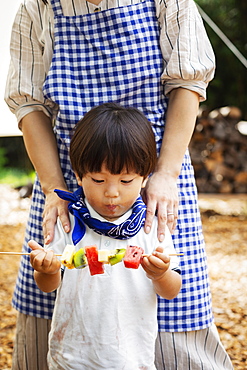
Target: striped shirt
{"x":187,"y":53}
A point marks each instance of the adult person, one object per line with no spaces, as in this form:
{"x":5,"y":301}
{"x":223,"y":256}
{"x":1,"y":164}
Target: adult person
{"x":70,"y":55}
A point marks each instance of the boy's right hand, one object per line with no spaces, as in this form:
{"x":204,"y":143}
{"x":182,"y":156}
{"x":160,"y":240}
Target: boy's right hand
{"x":43,"y":260}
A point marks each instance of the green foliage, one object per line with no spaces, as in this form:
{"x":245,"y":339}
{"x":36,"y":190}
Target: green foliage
{"x":3,"y":159}
{"x":229,"y":84}
{"x":13,"y":156}
{"x":16,"y":177}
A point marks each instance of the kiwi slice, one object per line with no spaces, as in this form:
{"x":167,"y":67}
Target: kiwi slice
{"x":116,"y":256}
{"x":80,"y":259}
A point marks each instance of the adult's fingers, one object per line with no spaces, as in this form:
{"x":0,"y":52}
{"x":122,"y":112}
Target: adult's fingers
{"x":150,"y":213}
{"x":51,"y":213}
{"x":172,"y":219}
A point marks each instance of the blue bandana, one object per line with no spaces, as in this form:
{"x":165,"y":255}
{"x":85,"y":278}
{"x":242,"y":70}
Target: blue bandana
{"x":78,"y":208}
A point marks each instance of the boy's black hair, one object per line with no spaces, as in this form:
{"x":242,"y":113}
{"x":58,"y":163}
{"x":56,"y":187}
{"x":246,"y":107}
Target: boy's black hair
{"x":118,"y":137}
{"x":45,"y":2}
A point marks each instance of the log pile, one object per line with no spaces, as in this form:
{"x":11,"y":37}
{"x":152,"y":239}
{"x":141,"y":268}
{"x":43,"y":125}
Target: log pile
{"x":219,"y":151}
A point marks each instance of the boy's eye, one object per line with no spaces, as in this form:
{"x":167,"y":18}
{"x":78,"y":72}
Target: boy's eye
{"x":97,"y":181}
{"x":126,"y":181}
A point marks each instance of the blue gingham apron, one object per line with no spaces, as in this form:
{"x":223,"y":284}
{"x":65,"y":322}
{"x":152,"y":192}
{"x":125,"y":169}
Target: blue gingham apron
{"x":114,"y":55}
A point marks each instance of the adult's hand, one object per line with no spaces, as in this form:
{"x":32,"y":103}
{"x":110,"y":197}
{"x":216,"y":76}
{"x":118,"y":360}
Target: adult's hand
{"x":54,"y":207}
{"x":161,"y":197}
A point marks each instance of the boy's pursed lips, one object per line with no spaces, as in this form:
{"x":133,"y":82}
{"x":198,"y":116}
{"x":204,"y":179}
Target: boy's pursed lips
{"x":111,"y":207}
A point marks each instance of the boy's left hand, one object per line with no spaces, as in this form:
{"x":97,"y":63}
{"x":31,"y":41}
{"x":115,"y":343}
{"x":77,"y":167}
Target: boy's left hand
{"x":156,"y":264}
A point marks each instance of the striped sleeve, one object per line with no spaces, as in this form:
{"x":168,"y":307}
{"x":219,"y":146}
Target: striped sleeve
{"x":28,"y":64}
{"x":188,"y":56}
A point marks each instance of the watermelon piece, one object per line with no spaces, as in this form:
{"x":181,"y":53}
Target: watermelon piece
{"x":95,"y":267}
{"x":133,"y":257}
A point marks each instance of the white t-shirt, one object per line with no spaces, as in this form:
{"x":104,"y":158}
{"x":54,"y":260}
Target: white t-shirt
{"x":106,"y":321}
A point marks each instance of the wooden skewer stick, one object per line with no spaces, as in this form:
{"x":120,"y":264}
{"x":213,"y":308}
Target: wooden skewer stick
{"x":59,"y":255}
{"x":21,"y":253}
{"x":171,"y":254}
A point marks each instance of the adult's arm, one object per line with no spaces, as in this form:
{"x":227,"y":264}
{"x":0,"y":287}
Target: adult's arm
{"x":189,"y":66}
{"x":161,"y":191}
{"x":41,"y":147}
{"x":31,"y":49}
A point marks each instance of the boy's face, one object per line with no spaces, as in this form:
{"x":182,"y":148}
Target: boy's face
{"x":111,"y":195}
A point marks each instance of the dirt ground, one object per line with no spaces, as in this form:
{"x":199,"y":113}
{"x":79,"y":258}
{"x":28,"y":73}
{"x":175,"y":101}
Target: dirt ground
{"x":225,"y":230}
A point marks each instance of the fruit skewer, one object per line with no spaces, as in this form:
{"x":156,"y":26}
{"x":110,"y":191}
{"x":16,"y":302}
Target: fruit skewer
{"x":59,"y":255}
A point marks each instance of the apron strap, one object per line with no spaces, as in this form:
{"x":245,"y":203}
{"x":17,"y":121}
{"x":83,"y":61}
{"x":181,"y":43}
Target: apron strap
{"x":57,"y":8}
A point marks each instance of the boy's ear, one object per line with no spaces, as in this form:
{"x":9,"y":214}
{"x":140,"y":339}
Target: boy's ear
{"x":144,"y":182}
{"x":78,"y":179}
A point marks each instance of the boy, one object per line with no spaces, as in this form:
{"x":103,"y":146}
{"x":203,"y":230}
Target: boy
{"x":108,"y":321}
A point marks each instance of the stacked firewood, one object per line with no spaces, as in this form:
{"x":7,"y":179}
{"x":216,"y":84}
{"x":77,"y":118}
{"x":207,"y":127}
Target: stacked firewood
{"x":219,"y":151}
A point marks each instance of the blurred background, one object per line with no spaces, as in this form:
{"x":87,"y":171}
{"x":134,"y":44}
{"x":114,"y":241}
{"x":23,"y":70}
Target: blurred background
{"x":15,"y":167}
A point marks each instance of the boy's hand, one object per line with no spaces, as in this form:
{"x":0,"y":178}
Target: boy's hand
{"x":43,"y":260}
{"x":156,"y":264}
